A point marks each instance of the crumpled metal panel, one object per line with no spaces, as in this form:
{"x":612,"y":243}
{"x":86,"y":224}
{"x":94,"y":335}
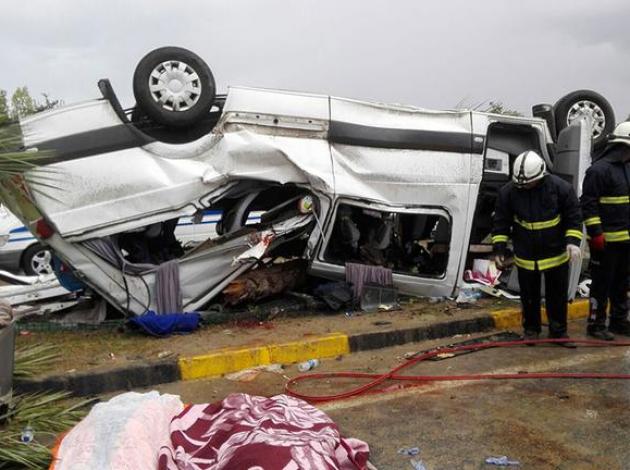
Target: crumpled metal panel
{"x":111,"y":188}
{"x":199,"y":271}
{"x":91,"y":196}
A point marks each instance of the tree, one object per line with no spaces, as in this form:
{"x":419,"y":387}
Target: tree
{"x":47,"y":104}
{"x":4,"y":108}
{"x":497,"y":107}
{"x":22,"y":104}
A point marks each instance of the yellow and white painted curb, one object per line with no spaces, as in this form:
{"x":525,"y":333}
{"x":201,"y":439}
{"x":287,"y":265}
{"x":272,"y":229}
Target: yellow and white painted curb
{"x":511,"y":317}
{"x":225,"y":361}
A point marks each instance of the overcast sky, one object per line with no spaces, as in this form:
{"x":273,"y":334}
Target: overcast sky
{"x":430,"y":54}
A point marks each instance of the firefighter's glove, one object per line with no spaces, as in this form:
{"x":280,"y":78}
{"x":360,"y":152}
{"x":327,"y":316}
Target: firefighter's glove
{"x":499,"y":261}
{"x":574,"y":252}
{"x":597,"y":243}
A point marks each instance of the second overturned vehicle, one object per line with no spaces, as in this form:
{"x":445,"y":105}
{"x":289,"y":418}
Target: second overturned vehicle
{"x":332,"y":181}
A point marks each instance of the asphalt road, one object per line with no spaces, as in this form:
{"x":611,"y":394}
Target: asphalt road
{"x":543,"y":424}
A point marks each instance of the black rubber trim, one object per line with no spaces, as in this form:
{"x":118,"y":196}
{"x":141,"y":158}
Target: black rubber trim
{"x":95,"y":142}
{"x":410,"y":139}
{"x":108,"y":93}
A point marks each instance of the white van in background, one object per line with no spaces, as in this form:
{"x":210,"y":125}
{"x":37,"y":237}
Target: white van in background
{"x":20,"y":250}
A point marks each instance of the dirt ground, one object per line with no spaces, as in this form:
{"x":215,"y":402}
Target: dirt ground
{"x":101,"y":350}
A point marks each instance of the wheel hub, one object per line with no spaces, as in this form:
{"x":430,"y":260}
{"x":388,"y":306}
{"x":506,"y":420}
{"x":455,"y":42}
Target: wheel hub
{"x":593,"y":111}
{"x":41,"y":262}
{"x":175,"y":85}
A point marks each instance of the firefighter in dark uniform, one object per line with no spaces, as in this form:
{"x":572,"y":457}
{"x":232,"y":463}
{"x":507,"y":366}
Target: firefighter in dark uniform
{"x":606,"y":208}
{"x":541,"y":214}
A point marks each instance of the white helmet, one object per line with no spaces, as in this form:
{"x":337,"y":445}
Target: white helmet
{"x":528,"y":167}
{"x":621,"y":134}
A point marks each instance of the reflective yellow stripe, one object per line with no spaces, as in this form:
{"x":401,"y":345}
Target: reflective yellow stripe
{"x":620,"y":236}
{"x":593,"y":221}
{"x":614,"y":200}
{"x":538,"y":225}
{"x":574,"y":233}
{"x":549,"y":263}
{"x":525,"y":263}
{"x":500,"y":239}
{"x":542,"y":264}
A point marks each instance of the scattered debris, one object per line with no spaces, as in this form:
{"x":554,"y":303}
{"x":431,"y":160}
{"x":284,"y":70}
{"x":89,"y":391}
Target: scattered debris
{"x":467,"y":296}
{"x":592,"y":414}
{"x":27,"y":435}
{"x":308,"y":365}
{"x":163,"y":354}
{"x":417,"y":464}
{"x":584,"y":288}
{"x":445,"y":355}
{"x":261,"y":283}
{"x":484,"y":271}
{"x":32,"y":290}
{"x":254,"y":324}
{"x":496,"y":292}
{"x":502,"y":461}
{"x":376,"y":297}
{"x":409,"y":451}
{"x":381,"y":323}
{"x":248,"y":375}
{"x":336,"y":295}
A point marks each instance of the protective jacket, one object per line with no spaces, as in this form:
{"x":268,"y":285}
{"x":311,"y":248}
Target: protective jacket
{"x":606,"y":196}
{"x":540,"y":221}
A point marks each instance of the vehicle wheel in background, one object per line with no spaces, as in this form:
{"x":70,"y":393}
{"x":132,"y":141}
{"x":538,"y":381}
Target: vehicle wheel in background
{"x":581,"y":103}
{"x":174,"y":86}
{"x":37,"y":260}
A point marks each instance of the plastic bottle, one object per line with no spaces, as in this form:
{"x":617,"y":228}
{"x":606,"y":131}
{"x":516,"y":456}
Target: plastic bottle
{"x":308,"y":365}
{"x":27,"y":435}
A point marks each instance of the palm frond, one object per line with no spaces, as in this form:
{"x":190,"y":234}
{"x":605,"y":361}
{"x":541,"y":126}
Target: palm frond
{"x":15,"y":161}
{"x":16,"y":454}
{"x":32,"y":360}
{"x":48,"y":414}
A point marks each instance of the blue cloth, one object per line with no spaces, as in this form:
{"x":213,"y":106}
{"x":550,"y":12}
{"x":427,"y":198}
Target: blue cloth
{"x":65,"y":276}
{"x":167,"y":324}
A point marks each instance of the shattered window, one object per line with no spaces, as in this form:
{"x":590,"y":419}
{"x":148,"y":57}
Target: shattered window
{"x":408,"y":243}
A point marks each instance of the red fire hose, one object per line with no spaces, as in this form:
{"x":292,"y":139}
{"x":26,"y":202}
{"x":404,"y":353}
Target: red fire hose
{"x":377,"y":379}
